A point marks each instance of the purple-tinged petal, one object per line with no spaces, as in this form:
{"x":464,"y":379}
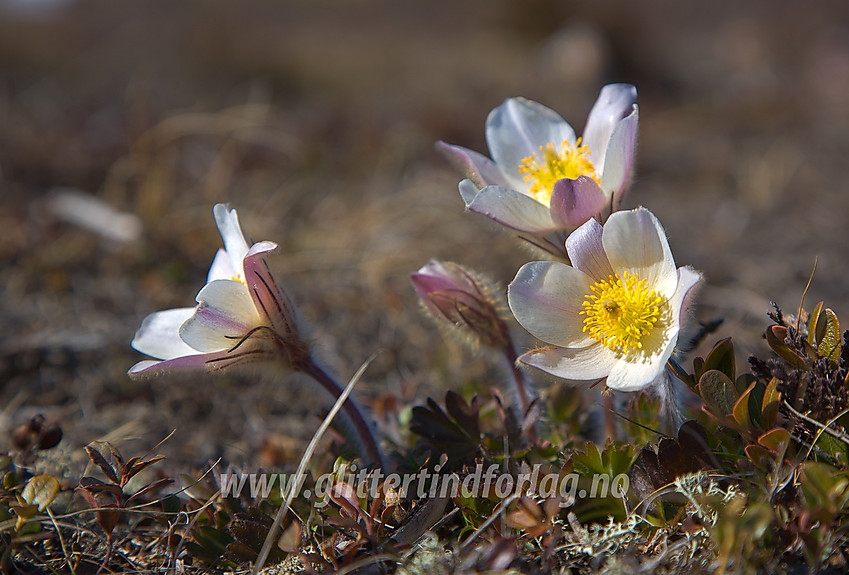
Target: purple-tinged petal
{"x":635,"y":242}
{"x":159,"y":334}
{"x":477,"y":167}
{"x":513,"y":209}
{"x":431,"y":278}
{"x":546,"y":298}
{"x":468,"y":191}
{"x":619,"y":162}
{"x":614,"y":103}
{"x":573,"y":202}
{"x":205,"y":361}
{"x":463,"y":299}
{"x":267,"y":296}
{"x":586,"y":251}
{"x":231,"y":233}
{"x":224,"y":315}
{"x":517,"y":129}
{"x":578,"y":364}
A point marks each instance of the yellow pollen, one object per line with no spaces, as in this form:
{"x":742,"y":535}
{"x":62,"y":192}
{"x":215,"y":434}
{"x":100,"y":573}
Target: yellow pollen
{"x":544,"y":168}
{"x":621,"y":311}
{"x":239,"y":278}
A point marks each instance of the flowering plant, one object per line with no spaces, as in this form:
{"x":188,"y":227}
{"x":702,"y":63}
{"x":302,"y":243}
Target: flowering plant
{"x":473,"y":309}
{"x":617,"y":313}
{"x":241,"y":316}
{"x":542,"y":180}
{"x":241,"y":313}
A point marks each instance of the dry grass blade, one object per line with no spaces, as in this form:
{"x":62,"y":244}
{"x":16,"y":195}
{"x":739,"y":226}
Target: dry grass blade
{"x":490,"y":520}
{"x":281,"y":513}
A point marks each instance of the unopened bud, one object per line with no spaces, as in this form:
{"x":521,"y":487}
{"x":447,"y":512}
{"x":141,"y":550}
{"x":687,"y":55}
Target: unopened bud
{"x":461,"y":299}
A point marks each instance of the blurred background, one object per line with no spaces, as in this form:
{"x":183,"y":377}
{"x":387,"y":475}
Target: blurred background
{"x":122,"y":123}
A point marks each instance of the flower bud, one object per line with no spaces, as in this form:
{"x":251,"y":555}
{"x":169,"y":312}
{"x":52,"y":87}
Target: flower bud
{"x":460,"y":299}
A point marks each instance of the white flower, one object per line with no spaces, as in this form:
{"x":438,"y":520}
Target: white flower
{"x":544,"y":179}
{"x":616,"y":312}
{"x":241,"y":313}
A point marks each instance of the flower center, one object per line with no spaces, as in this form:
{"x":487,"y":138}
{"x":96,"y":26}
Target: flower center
{"x":621,"y":311}
{"x":546,"y":167}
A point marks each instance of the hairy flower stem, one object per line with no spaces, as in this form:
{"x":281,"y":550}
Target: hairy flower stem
{"x":521,"y":385}
{"x":355,"y":415}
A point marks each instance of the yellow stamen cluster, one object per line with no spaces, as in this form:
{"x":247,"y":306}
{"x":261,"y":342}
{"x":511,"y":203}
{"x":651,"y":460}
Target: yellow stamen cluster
{"x":621,"y":312}
{"x":543,"y":169}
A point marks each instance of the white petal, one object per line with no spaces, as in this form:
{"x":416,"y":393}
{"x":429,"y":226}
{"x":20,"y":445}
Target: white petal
{"x":222,"y":268}
{"x":142,"y":367}
{"x":546,"y":299}
{"x":513,"y":209}
{"x":614,"y":103}
{"x":619,"y":161}
{"x":638,"y":370}
{"x":517,"y":129}
{"x":231,"y":233}
{"x":579,"y":364}
{"x":636,"y":243}
{"x":468,"y":191}
{"x":225,"y":314}
{"x":159,"y":334}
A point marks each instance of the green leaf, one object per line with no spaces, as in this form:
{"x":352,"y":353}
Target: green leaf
{"x":744,"y":382}
{"x":776,"y":440}
{"x":756,"y":400}
{"x":718,"y":392}
{"x":591,"y":460}
{"x":824,"y":489}
{"x":741,"y":411}
{"x":770,"y":403}
{"x":776,"y":335}
{"x":833,"y":446}
{"x":760,"y":456}
{"x":40,"y":490}
{"x":618,"y":459}
{"x":813,"y":323}
{"x":721,"y":358}
{"x":828,"y":345}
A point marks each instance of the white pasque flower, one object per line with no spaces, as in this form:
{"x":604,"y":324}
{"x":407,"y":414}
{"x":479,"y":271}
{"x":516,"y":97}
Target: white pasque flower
{"x":542,"y":178}
{"x":616,"y":312}
{"x":240,"y":312}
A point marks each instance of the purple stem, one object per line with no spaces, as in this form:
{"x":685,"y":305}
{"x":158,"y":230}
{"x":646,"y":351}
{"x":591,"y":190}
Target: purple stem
{"x":361,"y":426}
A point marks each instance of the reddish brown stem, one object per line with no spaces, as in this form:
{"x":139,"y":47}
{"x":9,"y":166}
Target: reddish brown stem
{"x":369,"y":444}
